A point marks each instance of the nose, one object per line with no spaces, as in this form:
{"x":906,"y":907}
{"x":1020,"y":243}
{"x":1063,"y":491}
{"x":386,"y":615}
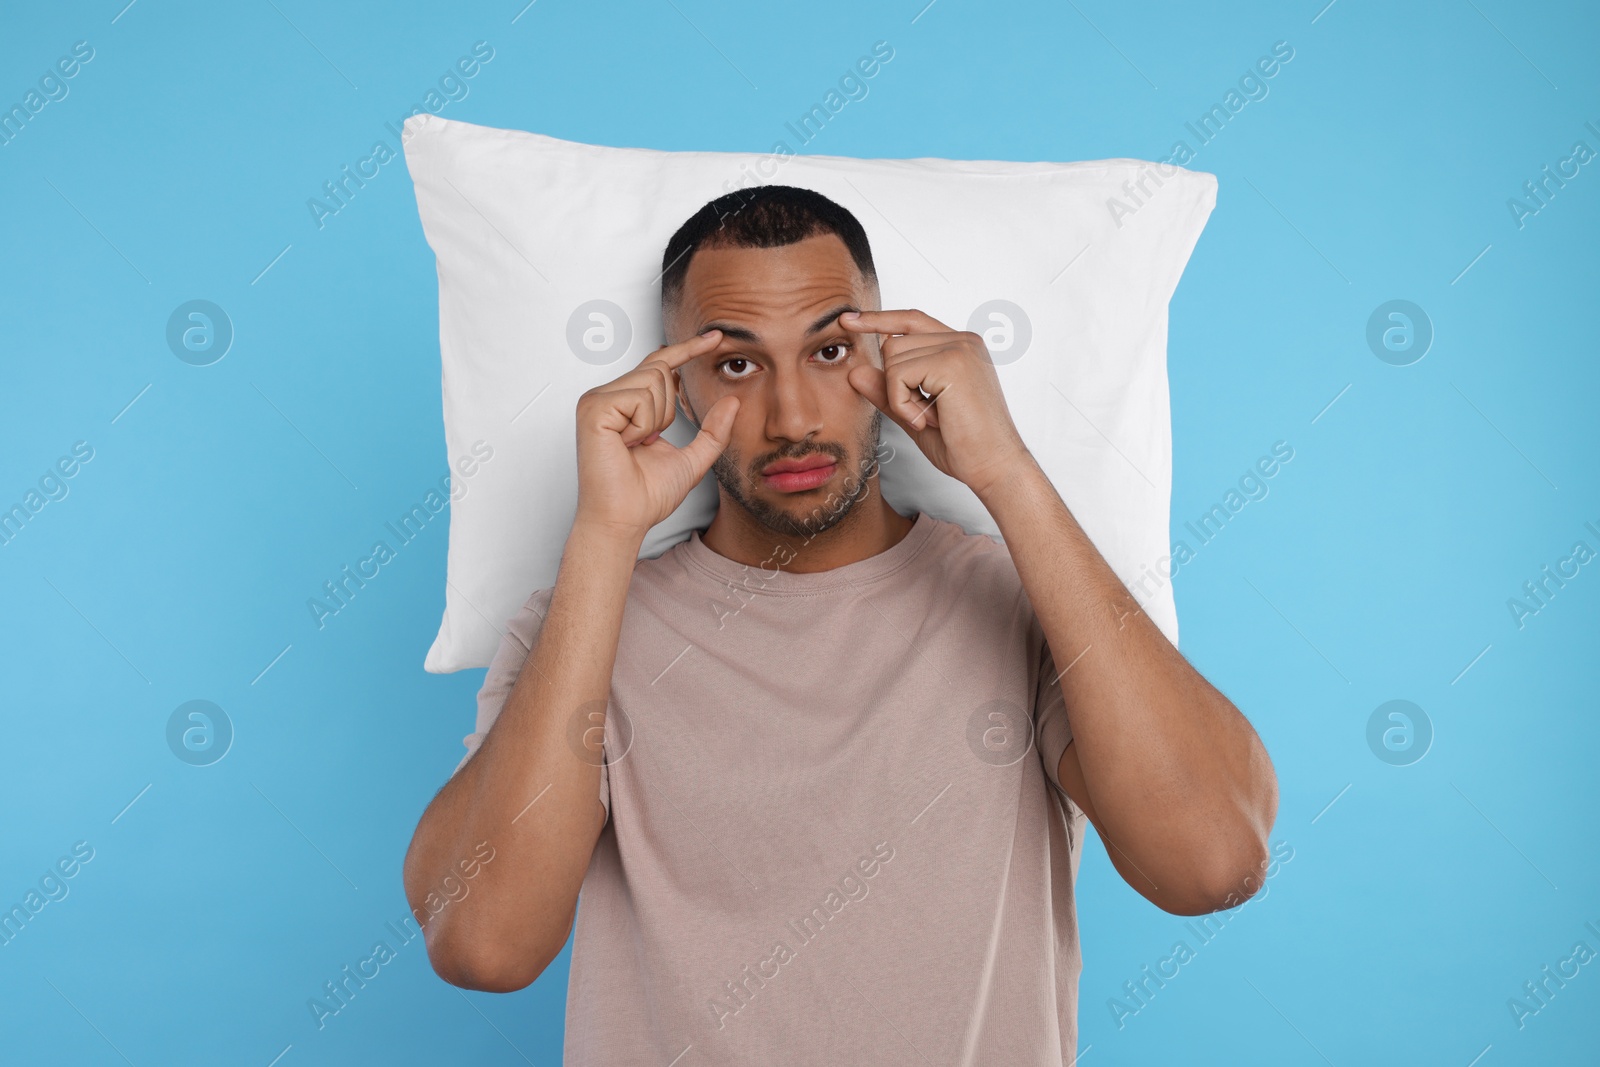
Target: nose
{"x":794,"y":412}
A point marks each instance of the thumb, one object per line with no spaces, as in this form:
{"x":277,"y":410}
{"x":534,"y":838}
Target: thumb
{"x":716,"y":430}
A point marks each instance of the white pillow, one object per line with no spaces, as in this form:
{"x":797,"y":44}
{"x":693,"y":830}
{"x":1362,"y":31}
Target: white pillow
{"x":549,"y":257}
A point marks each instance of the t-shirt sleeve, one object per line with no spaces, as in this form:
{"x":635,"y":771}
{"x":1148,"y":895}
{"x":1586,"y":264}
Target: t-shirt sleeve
{"x":521,"y":635}
{"x":1053,"y":730}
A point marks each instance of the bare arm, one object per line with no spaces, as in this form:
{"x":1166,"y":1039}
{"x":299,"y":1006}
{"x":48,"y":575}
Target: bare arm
{"x":530,"y":792}
{"x":1173,"y":777}
{"x":521,"y":909}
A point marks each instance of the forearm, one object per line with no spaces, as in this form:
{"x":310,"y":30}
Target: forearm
{"x":529,"y":790}
{"x":1178,"y":779}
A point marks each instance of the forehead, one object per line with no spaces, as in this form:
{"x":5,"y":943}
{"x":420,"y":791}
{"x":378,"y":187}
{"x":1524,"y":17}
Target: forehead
{"x":769,"y":286}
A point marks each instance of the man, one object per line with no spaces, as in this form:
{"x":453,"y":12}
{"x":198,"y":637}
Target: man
{"x":843,"y":783}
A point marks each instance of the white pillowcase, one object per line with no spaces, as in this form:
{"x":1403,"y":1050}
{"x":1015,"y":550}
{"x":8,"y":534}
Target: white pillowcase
{"x":549,"y":257}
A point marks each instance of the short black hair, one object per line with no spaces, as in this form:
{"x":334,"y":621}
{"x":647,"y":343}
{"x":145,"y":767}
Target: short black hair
{"x":761,"y":216}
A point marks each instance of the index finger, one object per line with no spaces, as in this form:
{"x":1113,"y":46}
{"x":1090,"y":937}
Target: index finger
{"x":676,"y":355}
{"x":899,"y":321}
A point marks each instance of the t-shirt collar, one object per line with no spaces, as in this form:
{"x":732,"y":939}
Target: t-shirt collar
{"x":770,"y":577}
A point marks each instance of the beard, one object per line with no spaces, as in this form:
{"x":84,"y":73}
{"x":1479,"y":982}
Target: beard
{"x":819,"y":516}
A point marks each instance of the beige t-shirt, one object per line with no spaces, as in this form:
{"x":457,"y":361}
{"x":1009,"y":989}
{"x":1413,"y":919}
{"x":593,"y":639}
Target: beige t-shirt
{"x":836,"y":834}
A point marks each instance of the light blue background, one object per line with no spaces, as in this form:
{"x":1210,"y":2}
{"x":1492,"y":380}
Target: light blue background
{"x":1378,"y":568}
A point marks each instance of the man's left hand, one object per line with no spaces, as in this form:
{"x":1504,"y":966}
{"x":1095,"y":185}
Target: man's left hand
{"x":939,"y":385}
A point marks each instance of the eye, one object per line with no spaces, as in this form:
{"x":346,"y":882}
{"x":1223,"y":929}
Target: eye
{"x":842,"y":349}
{"x":734,"y":359}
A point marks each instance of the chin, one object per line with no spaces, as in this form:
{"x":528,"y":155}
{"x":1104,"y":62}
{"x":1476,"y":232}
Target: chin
{"x":806,"y":514}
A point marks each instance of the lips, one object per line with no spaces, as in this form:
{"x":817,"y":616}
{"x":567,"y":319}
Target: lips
{"x":800,"y":475}
{"x":790,"y":466}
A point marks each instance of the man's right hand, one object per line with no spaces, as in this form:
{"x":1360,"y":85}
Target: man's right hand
{"x":629,"y":479}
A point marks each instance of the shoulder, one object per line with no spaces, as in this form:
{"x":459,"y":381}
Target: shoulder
{"x":978,"y":569}
{"x":523,"y":628}
{"x":652,"y":571}
{"x":973,"y":556}
{"x":667,"y":563}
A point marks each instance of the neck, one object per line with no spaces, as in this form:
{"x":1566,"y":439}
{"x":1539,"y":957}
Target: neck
{"x":870,"y":528}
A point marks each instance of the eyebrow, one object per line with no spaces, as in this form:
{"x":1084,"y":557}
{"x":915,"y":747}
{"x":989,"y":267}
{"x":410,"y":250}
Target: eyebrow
{"x":739,"y":333}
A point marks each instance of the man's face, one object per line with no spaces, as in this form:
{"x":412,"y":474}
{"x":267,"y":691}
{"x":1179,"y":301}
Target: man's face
{"x":784,"y":355}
